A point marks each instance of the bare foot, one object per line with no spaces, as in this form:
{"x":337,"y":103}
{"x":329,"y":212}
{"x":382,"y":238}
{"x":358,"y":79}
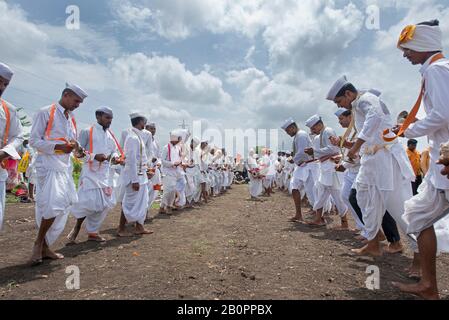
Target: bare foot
{"x":360,"y":237}
{"x":96,"y":238}
{"x":296,"y":219}
{"x":123,"y":233}
{"x":367,"y":251}
{"x":49,"y":254}
{"x":419,"y":289}
{"x":71,"y":237}
{"x":142,"y":232}
{"x":36,"y":256}
{"x":393,"y":248}
{"x":317,"y":223}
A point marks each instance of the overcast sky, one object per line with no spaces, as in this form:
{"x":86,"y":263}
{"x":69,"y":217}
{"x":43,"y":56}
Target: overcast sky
{"x":230,"y":63}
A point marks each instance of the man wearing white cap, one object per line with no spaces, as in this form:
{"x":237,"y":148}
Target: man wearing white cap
{"x":348,"y":191}
{"x":95,"y":193}
{"x":422,"y":44}
{"x":328,"y":184}
{"x":255,"y":183}
{"x":385,"y":174}
{"x":200,"y":161}
{"x":192,"y":172}
{"x":154,"y":164}
{"x":134,"y":179}
{"x":172,"y":171}
{"x":11,"y":134}
{"x":302,"y":176}
{"x":54,"y":136}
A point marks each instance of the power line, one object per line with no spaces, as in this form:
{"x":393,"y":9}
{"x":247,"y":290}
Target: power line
{"x":56,"y":83}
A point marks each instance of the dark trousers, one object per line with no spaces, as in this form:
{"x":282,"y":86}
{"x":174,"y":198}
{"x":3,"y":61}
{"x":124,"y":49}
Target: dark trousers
{"x":388,"y":224}
{"x":416,"y":184}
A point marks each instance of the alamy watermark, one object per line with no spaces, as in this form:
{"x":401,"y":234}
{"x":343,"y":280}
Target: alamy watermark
{"x":373,"y":280}
{"x":72,"y":282}
{"x":73,"y":21}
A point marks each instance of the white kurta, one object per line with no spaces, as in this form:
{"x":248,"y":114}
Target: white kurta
{"x":55,"y":189}
{"x":95,"y":193}
{"x":173,"y":177}
{"x":255,"y":185}
{"x":15,"y":140}
{"x":135,"y":203}
{"x":431,"y":204}
{"x":384,"y":178}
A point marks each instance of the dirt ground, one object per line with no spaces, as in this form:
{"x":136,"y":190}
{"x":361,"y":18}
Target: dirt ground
{"x":230,"y":249}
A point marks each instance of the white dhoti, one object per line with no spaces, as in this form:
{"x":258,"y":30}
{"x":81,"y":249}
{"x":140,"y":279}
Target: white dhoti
{"x":169,"y":193}
{"x":94,"y":205}
{"x":268,"y":181}
{"x":55,"y":194}
{"x":181,"y":191}
{"x":255,"y":186}
{"x":426,"y":208}
{"x":374,"y":202}
{"x":328,"y":187}
{"x":135,"y":203}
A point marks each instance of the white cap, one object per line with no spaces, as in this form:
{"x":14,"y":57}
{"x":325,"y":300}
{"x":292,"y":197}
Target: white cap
{"x":340,"y":111}
{"x":422,"y":38}
{"x":11,"y":151}
{"x":287,"y":123}
{"x":136,"y":115}
{"x":106,"y":110}
{"x":175,"y":135}
{"x":77,"y":90}
{"x":313,"y":120}
{"x":5,"y":72}
{"x":336,"y":87}
{"x":151,"y":125}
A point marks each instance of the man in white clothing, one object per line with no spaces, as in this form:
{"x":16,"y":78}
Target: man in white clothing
{"x":301,"y":176}
{"x":422,"y":44}
{"x":95,"y":193}
{"x":11,"y":134}
{"x":134,"y":179}
{"x":384,"y":178}
{"x":172,"y":172}
{"x":54,"y":136}
{"x":328,"y":184}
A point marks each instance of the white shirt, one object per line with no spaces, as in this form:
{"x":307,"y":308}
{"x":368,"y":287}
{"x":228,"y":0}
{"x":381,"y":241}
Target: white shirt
{"x":136,"y":158}
{"x":171,"y":154}
{"x":93,"y":174}
{"x":436,"y":123}
{"x":301,"y":141}
{"x":322,"y":145}
{"x":62,"y":128}
{"x":372,"y":117}
{"x":15,"y":136}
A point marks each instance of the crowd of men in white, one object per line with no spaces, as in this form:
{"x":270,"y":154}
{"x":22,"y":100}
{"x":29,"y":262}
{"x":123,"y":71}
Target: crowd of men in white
{"x":365,"y":172}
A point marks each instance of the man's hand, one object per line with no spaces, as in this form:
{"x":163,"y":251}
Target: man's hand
{"x":66,"y":148}
{"x":3,"y":155}
{"x":335,"y":141}
{"x":340,"y":168}
{"x":353,"y":153}
{"x":177,"y":163}
{"x":135,"y":186}
{"x":100,"y":157}
{"x":309,"y":151}
{"x":445,"y":162}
